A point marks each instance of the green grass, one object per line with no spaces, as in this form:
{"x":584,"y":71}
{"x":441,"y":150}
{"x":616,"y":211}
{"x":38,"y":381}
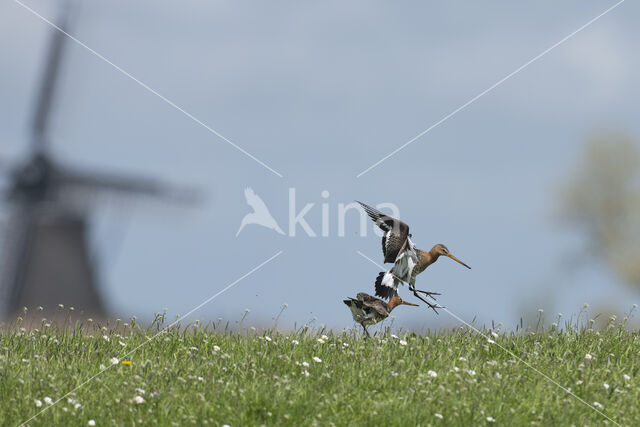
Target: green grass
{"x":216,"y":377}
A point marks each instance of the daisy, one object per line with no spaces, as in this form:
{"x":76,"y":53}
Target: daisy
{"x":114,"y":361}
{"x":38,"y":403}
{"x":138,"y":399}
{"x":491,"y":419}
{"x":92,"y":422}
{"x":403,"y":342}
{"x":588,"y":356}
{"x":295,"y":342}
{"x":432,"y":374}
{"x":437,"y":415}
{"x":317,"y":359}
{"x":48,"y":400}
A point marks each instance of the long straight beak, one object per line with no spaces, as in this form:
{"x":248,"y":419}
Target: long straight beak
{"x":408,"y":303}
{"x":456,"y":259}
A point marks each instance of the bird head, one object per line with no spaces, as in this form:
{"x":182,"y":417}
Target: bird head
{"x":441,"y":249}
{"x":396,"y":301}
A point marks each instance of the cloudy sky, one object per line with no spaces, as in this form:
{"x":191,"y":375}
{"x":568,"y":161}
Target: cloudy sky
{"x":319,"y":93}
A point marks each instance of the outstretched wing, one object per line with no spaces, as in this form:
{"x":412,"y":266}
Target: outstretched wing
{"x":395,"y":232}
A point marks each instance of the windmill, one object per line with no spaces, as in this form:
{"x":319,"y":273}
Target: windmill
{"x":45,"y":257}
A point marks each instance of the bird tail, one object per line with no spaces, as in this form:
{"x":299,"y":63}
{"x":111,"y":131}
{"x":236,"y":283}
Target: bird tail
{"x":386,"y":285}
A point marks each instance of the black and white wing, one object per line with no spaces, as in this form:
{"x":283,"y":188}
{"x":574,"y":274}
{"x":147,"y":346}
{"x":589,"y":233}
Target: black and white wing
{"x":396,"y":232}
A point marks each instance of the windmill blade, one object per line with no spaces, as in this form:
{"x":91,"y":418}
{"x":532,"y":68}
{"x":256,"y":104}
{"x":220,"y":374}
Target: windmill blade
{"x":128,"y":186}
{"x":49,"y":81}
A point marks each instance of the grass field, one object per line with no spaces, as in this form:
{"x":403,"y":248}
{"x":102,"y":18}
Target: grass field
{"x":214,"y":376}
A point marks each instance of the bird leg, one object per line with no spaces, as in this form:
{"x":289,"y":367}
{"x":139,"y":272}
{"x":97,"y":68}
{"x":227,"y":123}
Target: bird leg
{"x":429,"y":294}
{"x":365,"y":330}
{"x":431,"y":306}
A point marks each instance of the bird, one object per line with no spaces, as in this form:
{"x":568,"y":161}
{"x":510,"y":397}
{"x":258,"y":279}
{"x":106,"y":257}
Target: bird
{"x":408,"y":261}
{"x":368,"y":310}
{"x":260,"y":214}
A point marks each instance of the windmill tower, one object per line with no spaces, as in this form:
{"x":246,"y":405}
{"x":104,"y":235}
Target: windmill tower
{"x":45,"y":257}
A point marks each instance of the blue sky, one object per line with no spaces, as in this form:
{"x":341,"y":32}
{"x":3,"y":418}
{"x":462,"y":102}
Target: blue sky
{"x":320,"y":92}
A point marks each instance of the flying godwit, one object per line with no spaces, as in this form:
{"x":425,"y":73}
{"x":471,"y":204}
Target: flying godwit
{"x":368,"y":310}
{"x":398,"y":248}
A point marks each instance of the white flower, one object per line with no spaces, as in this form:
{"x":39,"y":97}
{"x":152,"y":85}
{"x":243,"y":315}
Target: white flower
{"x":588,"y":356}
{"x":92,"y":422}
{"x":38,"y":403}
{"x":102,"y":367}
{"x":394,"y":374}
{"x":606,"y":386}
{"x":540,"y":310}
{"x":403,"y":342}
{"x":267,"y":338}
{"x":77,"y":406}
{"x":498,"y":375}
{"x":305,"y":373}
{"x":490,"y":341}
{"x":471,"y":372}
{"x":320,"y":340}
{"x":138,"y":399}
{"x":295,"y":342}
{"x":216,"y":348}
{"x":48,"y":400}
{"x":139,"y":390}
{"x":344,"y":344}
{"x":491,"y":420}
{"x":106,"y":338}
{"x":626,"y":377}
{"x":114,"y":361}
{"x":122,"y":343}
{"x":597,"y":405}
{"x":324,"y":337}
{"x":495,"y":335}
{"x":317,"y":359}
{"x":432,"y":374}
{"x":437,"y":415}
{"x":305,"y":364}
{"x":394,"y":336}
{"x":578,"y":382}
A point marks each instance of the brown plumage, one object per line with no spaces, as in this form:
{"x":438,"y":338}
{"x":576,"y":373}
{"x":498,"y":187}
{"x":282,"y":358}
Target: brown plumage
{"x":409,"y":261}
{"x":368,"y":310}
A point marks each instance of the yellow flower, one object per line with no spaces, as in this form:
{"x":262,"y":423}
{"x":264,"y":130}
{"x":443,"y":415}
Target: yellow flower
{"x":126,"y":362}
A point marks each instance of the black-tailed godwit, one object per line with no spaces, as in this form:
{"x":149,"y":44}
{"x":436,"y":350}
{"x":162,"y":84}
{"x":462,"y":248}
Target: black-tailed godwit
{"x":408,"y":261}
{"x":368,"y":310}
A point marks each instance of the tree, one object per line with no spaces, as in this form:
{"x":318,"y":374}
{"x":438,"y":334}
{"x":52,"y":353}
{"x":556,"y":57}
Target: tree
{"x":602,"y":199}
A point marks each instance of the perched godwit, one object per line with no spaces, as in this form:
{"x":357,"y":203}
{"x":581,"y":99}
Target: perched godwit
{"x":408,"y":261}
{"x":368,"y":310}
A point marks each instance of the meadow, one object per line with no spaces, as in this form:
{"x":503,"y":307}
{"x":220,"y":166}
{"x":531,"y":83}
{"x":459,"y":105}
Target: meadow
{"x":212,"y":375}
